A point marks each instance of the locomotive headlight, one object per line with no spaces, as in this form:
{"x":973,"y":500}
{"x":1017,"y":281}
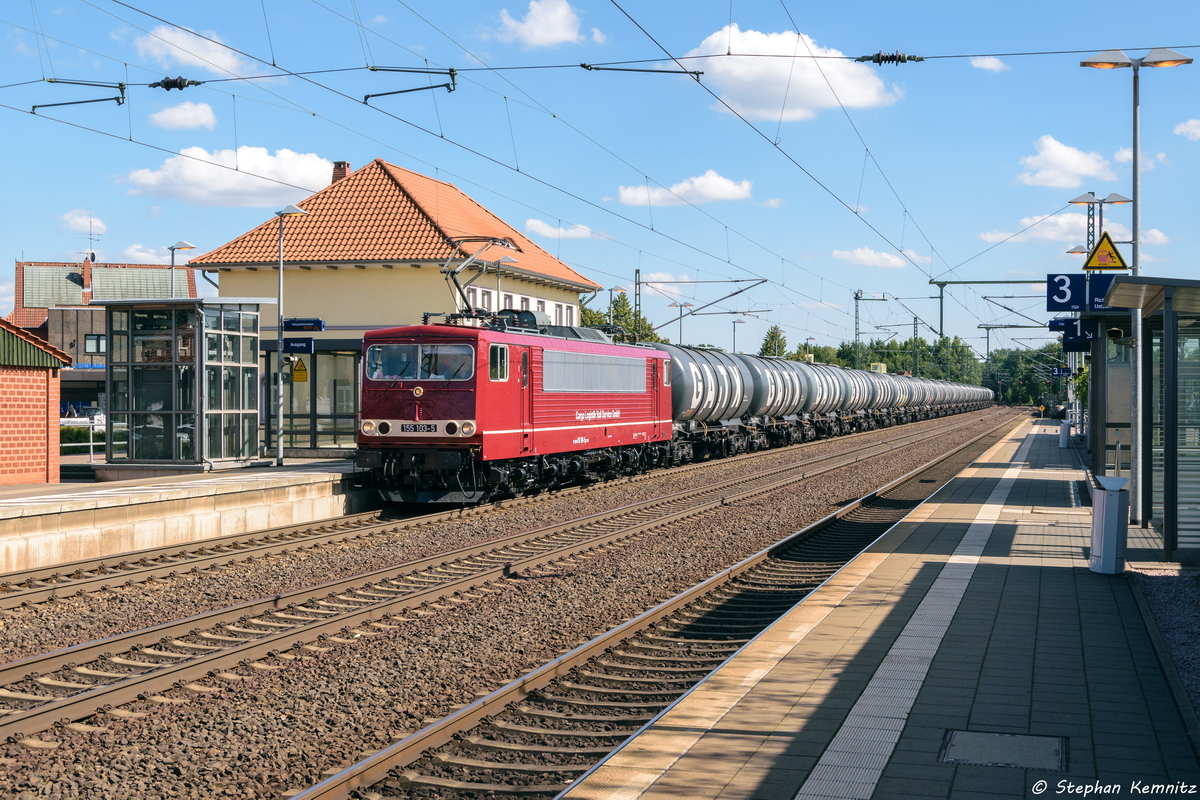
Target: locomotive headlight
{"x":468,"y":428}
{"x":451,"y":428}
{"x":368,"y":427}
{"x":418,"y":391}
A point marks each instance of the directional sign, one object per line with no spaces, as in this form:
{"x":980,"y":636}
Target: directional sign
{"x":1098,"y":284}
{"x":302,"y":344}
{"x":1105,"y":255}
{"x":1065,"y":292}
{"x":1081,"y":346}
{"x":299,"y":372}
{"x":1082,"y":330}
{"x":1060,"y":372}
{"x":311,"y":324}
{"x":1060,"y":325}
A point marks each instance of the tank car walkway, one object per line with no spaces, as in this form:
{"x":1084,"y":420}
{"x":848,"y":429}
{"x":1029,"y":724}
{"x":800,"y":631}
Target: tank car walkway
{"x":969,"y":653}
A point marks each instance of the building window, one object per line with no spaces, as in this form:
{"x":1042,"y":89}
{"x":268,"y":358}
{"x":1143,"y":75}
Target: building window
{"x":486,"y":299}
{"x":541,"y":306}
{"x":558,"y":314}
{"x":570,"y":316}
{"x":95,"y":343}
{"x":508,"y":302}
{"x":472,"y":300}
{"x":524,"y":303}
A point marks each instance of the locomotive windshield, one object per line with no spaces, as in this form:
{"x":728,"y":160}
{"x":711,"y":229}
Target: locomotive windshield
{"x":419,"y":362}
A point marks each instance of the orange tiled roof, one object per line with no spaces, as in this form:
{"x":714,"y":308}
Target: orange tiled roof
{"x":386,"y":213}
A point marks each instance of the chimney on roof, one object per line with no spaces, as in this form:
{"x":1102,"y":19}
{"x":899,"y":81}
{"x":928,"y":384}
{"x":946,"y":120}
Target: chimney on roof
{"x":340,"y":170}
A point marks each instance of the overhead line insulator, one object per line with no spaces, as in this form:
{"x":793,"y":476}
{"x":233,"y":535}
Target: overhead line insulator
{"x":890,"y":58}
{"x":175,"y":83}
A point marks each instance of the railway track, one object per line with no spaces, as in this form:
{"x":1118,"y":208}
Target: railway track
{"x":535,"y":736}
{"x":73,"y":683}
{"x":41,"y":584}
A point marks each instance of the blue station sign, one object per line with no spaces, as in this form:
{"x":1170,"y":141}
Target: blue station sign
{"x":298,"y":324}
{"x":1066,"y":292}
{"x":301,"y":344}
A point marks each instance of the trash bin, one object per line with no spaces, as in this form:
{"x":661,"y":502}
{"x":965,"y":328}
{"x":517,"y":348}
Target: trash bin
{"x":1110,"y":525}
{"x":1064,"y":434}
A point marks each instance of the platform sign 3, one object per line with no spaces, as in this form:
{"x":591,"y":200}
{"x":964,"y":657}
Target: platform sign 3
{"x":1060,"y":372}
{"x":1065,"y":292}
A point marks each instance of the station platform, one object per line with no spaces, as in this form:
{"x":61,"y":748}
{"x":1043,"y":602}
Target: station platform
{"x":968,"y":653}
{"x":48,"y":524}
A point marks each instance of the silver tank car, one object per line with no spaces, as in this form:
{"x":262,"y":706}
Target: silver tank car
{"x":733,"y":402}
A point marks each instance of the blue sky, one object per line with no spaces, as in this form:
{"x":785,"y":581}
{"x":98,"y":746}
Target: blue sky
{"x":822,"y":175}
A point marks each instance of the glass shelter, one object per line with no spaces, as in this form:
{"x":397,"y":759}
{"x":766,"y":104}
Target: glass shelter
{"x":183,"y":382}
{"x":1171,"y":414}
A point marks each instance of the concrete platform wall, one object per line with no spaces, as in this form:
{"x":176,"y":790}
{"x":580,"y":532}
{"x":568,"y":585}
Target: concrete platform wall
{"x":43,"y":531}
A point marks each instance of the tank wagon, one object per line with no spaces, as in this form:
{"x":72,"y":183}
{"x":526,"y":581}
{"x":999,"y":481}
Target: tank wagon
{"x":460,"y":414}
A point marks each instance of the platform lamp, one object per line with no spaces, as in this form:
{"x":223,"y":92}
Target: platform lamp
{"x":180,"y":245}
{"x":290,"y":211}
{"x":736,"y":322}
{"x":681,"y":307}
{"x":1116,"y":59}
{"x":1090,"y":199}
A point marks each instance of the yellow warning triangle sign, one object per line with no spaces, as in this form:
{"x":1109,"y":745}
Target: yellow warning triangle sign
{"x":1105,"y":255}
{"x":299,"y":372}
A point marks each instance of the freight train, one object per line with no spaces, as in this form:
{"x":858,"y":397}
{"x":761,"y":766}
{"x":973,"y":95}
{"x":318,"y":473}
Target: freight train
{"x":455,"y":413}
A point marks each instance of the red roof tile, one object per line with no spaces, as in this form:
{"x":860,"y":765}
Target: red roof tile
{"x":386,"y":213}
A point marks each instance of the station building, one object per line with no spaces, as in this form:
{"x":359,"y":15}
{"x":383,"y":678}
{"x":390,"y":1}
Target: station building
{"x":29,"y":396}
{"x":51,"y":303}
{"x":368,"y":254}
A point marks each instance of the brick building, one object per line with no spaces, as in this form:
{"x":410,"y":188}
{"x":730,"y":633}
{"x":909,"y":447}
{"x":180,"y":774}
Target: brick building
{"x":29,"y":390}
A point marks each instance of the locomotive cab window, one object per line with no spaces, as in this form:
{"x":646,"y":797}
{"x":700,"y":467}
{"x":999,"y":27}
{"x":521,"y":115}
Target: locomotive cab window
{"x":666,"y":368}
{"x":498,"y":362}
{"x":407,"y":362}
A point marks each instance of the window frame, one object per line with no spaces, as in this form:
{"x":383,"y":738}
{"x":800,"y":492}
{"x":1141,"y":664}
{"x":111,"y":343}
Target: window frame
{"x":498,"y":369}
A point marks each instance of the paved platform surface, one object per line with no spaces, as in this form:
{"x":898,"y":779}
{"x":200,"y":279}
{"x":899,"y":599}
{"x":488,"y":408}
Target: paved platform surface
{"x":967,"y":654}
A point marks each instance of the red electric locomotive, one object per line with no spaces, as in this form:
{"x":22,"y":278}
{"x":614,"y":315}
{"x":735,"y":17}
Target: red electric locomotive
{"x":460,"y":414}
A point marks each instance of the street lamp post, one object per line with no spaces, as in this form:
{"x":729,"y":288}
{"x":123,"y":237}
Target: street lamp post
{"x":290,"y":211}
{"x":1116,"y":59}
{"x":180,"y":245}
{"x":736,"y":322}
{"x":681,"y":307}
{"x":1090,"y":199}
{"x":618,"y":290}
{"x":808,"y":346}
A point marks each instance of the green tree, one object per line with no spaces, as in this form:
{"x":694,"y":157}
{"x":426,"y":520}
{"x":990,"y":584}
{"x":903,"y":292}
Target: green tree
{"x":636,"y":325}
{"x":774,"y":343}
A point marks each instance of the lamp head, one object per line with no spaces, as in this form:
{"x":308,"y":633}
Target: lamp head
{"x":1078,"y":250}
{"x":1117,"y":199}
{"x":1084,"y":200}
{"x":1165,"y":57}
{"x":1109,"y":59}
{"x":291,"y":211}
{"x":182,"y":245}
{"x":507,"y":260}
{"x":617,"y":289}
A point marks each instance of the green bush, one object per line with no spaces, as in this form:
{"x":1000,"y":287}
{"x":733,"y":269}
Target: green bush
{"x":73,"y":434}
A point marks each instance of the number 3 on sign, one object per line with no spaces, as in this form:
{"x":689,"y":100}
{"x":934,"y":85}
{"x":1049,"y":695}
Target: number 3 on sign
{"x":1065,"y":292}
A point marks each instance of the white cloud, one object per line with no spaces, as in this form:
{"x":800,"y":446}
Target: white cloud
{"x":185,"y":116}
{"x":548,"y":23}
{"x":1065,"y":227}
{"x":542,"y":228}
{"x":598,"y":36}
{"x":1062,"y":166}
{"x":172,"y":46}
{"x":193,"y":181}
{"x":989,"y":63}
{"x":808,"y":306}
{"x":1190,"y":129}
{"x":1148,"y":162}
{"x":1154,"y":236}
{"x":774,"y":202}
{"x":860,"y":209}
{"x":705,"y":188}
{"x":756,"y":87}
{"x":80,"y":221}
{"x":379,"y":19}
{"x":672,"y":290}
{"x":917,"y":257}
{"x":866,"y":257}
{"x":140,"y":254}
